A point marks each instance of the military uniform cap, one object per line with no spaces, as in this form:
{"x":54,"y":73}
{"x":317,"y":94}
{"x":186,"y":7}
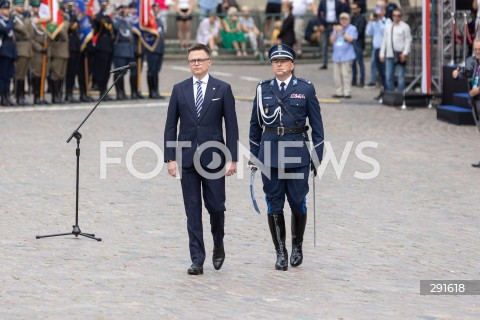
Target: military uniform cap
{"x":103,"y":1}
{"x":132,"y":5}
{"x":69,"y":1}
{"x":35,"y":3}
{"x":18,"y":2}
{"x":4,"y":4}
{"x":281,"y":51}
{"x":120,"y":7}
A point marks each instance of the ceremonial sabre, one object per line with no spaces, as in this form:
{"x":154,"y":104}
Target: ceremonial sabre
{"x":314,"y":174}
{"x":252,"y":184}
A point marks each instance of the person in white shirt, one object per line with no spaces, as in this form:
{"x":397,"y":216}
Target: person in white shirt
{"x":299,"y":11}
{"x":249,"y":29}
{"x":208,"y":32}
{"x":395,"y":49}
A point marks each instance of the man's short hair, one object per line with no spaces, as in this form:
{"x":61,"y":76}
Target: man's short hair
{"x":197,"y":47}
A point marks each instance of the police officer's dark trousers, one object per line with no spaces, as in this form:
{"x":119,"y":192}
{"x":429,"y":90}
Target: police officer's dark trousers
{"x":193,"y":184}
{"x":7,"y":70}
{"x":73,"y":69}
{"x":154,"y":62}
{"x":120,"y":84}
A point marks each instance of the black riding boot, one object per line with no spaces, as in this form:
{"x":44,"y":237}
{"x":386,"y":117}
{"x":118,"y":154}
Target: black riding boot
{"x":156,"y":87}
{"x":69,"y":96}
{"x":20,"y":93}
{"x":133,"y":87}
{"x":151,"y":94}
{"x":299,"y":221}
{"x":57,"y":91}
{"x":36,"y":91}
{"x":277,"y":229}
{"x":3,"y":101}
{"x":119,"y":87}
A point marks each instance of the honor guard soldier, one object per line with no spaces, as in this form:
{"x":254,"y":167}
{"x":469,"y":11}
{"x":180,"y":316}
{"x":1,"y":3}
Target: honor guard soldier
{"x":73,"y":65}
{"x":41,"y":49}
{"x":59,"y":60}
{"x":23,"y":38}
{"x":155,"y":57}
{"x":123,"y":47}
{"x":138,"y":49}
{"x":8,"y":53}
{"x":103,"y":26}
{"x":279,"y":141}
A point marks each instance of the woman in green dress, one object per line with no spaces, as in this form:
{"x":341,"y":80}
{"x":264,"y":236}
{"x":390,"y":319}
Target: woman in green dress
{"x":232,"y":34}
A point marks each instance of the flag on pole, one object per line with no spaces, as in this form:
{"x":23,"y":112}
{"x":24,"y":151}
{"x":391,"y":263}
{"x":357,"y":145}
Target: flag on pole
{"x":146,"y":25}
{"x":84,"y":25}
{"x":50,"y":17}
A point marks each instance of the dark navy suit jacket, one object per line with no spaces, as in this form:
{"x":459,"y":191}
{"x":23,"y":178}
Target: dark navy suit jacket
{"x":218,"y":103}
{"x":339,"y":8}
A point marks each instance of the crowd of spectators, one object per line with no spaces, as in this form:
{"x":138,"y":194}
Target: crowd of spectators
{"x":223,"y":23}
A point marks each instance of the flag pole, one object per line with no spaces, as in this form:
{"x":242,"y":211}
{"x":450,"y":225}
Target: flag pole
{"x":44,"y":67}
{"x":139,"y":67}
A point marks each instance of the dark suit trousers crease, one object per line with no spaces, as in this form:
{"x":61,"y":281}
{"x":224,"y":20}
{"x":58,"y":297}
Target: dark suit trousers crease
{"x":214,"y":197}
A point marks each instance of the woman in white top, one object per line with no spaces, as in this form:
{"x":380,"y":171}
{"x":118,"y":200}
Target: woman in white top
{"x":183,"y":8}
{"x":208,"y":31}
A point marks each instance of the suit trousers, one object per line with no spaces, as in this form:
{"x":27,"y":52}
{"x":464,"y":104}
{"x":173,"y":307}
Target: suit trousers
{"x":214,"y":197}
{"x":295,"y":190}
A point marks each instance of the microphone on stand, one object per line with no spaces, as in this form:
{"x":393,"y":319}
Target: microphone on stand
{"x":131,"y":65}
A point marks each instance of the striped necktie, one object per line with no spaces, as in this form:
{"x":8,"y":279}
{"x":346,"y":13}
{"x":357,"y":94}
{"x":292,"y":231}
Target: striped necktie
{"x":199,"y":98}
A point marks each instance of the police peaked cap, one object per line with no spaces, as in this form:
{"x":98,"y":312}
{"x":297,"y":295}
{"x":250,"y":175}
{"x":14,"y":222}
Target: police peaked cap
{"x":132,"y":5}
{"x":69,"y":1}
{"x":281,"y":51}
{"x":4,"y":4}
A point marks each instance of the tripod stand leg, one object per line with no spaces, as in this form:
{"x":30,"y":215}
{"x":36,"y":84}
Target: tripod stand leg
{"x":75,"y":231}
{"x":54,"y":235}
{"x":88,"y":235}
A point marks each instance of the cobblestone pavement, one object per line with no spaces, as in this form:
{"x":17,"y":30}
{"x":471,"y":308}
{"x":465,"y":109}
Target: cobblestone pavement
{"x":375,"y":239}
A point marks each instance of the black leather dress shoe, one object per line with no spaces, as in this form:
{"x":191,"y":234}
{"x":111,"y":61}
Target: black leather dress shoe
{"x":218,"y":257}
{"x":195,"y":269}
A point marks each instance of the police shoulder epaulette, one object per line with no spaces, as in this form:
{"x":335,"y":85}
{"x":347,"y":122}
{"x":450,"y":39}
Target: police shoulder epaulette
{"x":304,"y":80}
{"x":263,"y":82}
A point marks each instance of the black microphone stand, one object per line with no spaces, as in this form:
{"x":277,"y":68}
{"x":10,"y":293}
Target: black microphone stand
{"x":77,"y":135}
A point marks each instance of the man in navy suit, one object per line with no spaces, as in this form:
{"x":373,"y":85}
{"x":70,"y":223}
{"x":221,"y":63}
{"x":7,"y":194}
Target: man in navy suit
{"x":200,"y":152}
{"x":279,"y":140}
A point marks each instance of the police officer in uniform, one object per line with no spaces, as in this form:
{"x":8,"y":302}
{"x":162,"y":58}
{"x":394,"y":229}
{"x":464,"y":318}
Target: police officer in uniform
{"x":103,"y":26}
{"x":138,"y":54}
{"x":155,"y":57}
{"x":41,"y":48}
{"x":59,"y":60}
{"x":73,"y":65}
{"x":8,"y":53}
{"x":279,"y":141}
{"x":123,"y":48}
{"x":23,"y":37}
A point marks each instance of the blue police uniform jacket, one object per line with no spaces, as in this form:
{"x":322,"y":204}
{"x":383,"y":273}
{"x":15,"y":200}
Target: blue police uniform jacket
{"x":300,"y":99}
{"x":7,"y":40}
